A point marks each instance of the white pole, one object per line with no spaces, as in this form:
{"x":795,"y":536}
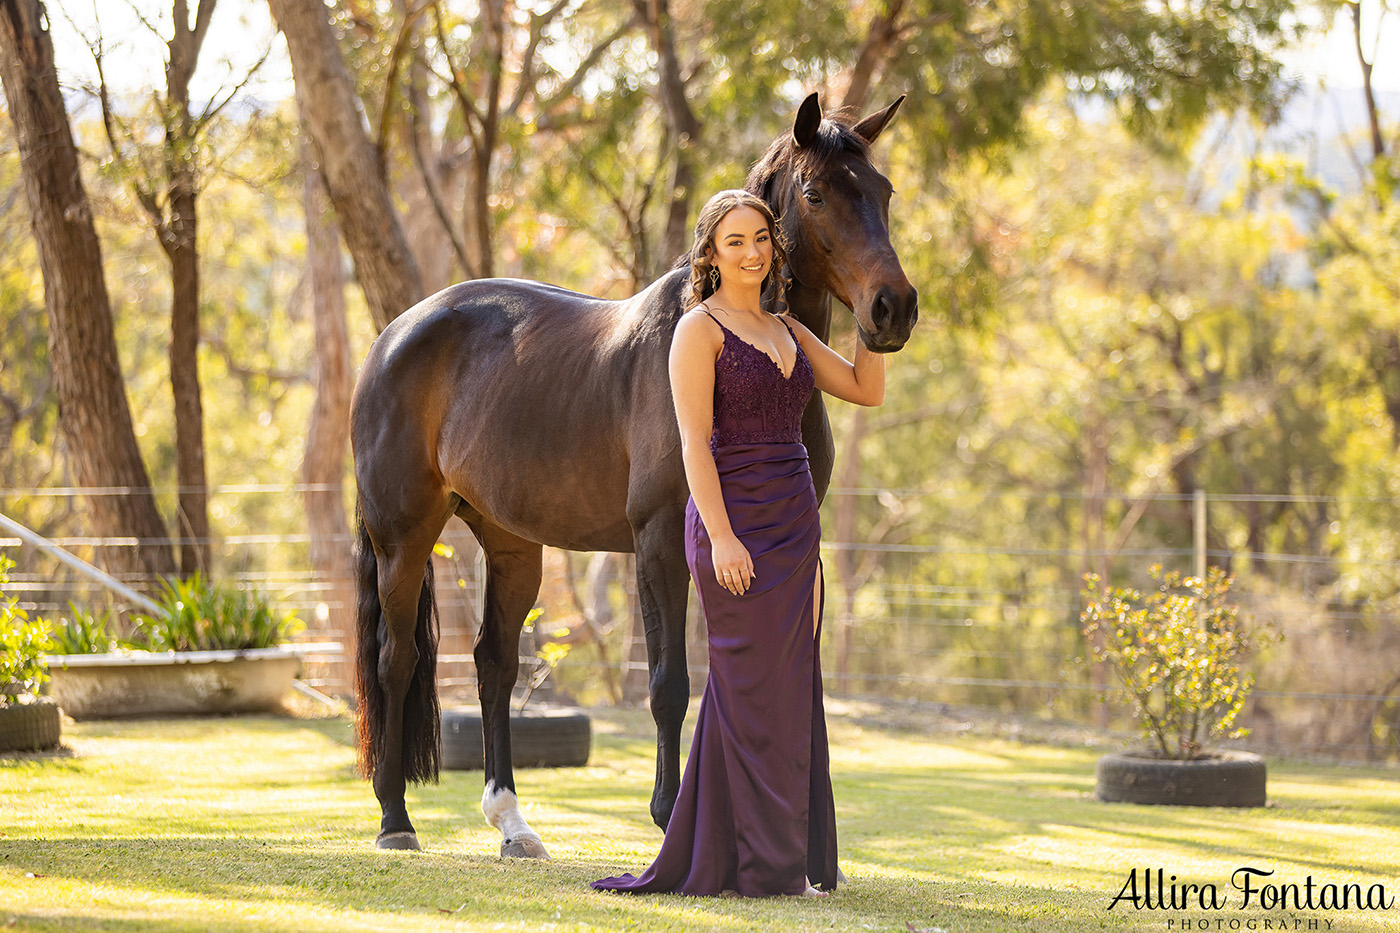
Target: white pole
{"x":1200,"y":534}
{"x":80,"y":565}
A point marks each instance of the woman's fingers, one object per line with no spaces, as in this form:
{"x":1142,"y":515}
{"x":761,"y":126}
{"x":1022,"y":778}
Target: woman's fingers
{"x":733,"y":567}
{"x":737,"y":578}
{"x":735,"y":575}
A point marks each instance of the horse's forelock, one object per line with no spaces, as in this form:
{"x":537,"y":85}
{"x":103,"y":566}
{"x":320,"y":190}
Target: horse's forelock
{"x":834,"y":137}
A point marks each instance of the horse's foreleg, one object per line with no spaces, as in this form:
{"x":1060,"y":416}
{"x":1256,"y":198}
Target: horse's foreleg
{"x":662,"y":578}
{"x":513,"y":571}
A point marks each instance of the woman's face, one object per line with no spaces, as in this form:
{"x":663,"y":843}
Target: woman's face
{"x":743,"y":250}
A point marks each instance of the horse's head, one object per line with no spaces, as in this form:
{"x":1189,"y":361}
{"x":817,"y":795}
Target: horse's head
{"x":834,"y":212}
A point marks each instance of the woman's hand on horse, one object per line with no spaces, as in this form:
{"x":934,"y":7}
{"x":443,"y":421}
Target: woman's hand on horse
{"x":733,"y":565}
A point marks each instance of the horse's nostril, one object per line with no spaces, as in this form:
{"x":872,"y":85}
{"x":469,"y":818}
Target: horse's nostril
{"x":883,"y":310}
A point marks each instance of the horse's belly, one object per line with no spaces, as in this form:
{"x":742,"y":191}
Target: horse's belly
{"x":578,"y":503}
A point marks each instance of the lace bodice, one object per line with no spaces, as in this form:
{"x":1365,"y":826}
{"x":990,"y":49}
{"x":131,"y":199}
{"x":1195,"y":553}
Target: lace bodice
{"x":754,"y":404}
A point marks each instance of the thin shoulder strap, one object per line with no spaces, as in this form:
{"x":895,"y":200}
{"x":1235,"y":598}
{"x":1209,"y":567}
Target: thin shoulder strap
{"x":702,"y":307}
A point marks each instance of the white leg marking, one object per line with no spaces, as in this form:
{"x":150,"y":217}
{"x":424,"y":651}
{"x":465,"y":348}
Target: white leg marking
{"x":502,"y":811}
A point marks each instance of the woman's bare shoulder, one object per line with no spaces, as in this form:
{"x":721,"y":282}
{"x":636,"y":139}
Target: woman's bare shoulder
{"x":696,"y":325}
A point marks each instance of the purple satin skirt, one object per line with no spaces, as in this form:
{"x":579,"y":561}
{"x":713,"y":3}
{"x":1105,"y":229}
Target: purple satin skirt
{"x":755,"y":812}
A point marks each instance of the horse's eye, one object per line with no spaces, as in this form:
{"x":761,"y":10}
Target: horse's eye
{"x":812,"y":196}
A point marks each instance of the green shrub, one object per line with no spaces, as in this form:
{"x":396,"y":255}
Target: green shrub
{"x":199,"y":615}
{"x":84,"y":632}
{"x":205,"y":616}
{"x":1176,"y":653}
{"x":24,"y":642}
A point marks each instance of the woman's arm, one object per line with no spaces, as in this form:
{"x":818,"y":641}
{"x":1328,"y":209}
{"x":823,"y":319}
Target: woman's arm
{"x":694,"y":348}
{"x":861,"y":382}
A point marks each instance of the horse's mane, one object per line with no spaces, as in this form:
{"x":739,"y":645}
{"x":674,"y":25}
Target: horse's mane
{"x":834,"y":137}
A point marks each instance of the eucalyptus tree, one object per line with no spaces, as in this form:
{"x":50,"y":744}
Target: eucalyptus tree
{"x":94,"y":414}
{"x":351,"y":164}
{"x":166,"y":179}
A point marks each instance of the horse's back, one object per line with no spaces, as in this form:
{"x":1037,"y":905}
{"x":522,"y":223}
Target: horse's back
{"x":525,"y":399}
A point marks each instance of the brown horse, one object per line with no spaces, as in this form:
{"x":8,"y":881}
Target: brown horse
{"x":543,"y":416}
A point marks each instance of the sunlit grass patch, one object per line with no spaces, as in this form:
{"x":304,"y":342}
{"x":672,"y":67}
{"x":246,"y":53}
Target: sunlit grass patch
{"x":259,"y":823}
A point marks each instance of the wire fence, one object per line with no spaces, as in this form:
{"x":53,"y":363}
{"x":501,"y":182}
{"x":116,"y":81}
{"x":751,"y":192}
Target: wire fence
{"x":966,"y":604}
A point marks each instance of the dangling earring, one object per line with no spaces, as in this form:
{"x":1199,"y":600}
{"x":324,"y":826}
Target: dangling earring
{"x":714,"y":277}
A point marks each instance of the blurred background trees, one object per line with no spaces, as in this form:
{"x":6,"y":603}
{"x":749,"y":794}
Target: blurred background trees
{"x":1150,"y":263}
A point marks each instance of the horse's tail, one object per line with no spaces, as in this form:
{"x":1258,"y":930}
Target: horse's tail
{"x":422,"y":748}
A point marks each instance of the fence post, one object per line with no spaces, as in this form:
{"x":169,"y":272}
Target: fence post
{"x":1200,"y":534}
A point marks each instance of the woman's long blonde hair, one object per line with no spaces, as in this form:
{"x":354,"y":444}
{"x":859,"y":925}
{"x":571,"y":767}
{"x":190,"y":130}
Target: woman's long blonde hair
{"x":775,"y":283}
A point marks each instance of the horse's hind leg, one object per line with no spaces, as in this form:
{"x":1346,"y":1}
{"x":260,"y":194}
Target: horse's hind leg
{"x":402,"y":686}
{"x":513,"y":570}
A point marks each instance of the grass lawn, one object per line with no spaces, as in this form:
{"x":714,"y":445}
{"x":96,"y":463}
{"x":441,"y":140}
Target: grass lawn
{"x":259,"y":823}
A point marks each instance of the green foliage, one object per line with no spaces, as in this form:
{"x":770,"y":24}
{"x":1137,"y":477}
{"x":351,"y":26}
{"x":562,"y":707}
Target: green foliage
{"x":24,"y":642}
{"x":86,"y":632}
{"x":201,"y":615}
{"x":1176,"y":653}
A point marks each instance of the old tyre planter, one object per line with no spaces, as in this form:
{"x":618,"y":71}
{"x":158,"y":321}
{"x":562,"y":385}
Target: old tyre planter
{"x":1219,"y":779}
{"x":539,"y":738}
{"x":104,"y":686}
{"x":30,"y":727}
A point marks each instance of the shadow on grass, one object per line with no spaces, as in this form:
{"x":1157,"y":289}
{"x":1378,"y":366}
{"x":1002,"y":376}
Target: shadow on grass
{"x":9,"y":759}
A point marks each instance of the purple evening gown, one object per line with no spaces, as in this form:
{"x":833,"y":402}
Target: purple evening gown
{"x":755,"y":812}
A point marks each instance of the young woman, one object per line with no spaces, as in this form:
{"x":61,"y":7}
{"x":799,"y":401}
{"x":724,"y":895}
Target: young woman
{"x":754,"y":815}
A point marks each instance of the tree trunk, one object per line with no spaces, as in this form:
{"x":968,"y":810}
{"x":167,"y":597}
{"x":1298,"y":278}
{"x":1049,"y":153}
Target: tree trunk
{"x":193,"y":496}
{"x":178,"y":231}
{"x":874,"y":51}
{"x":351,"y":165}
{"x":427,"y":225}
{"x":82,"y":347}
{"x":328,"y":432}
{"x":680,"y":121}
{"x":1372,"y":111}
{"x":484,"y":148}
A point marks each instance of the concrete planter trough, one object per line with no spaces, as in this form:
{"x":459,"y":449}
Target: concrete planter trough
{"x":105,"y":686}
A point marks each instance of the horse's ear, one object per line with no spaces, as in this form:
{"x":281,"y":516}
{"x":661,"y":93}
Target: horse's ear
{"x":809,"y":118}
{"x":871,"y":127}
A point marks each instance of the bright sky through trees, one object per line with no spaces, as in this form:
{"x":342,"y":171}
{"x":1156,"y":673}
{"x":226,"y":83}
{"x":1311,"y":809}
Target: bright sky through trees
{"x":242,"y":31}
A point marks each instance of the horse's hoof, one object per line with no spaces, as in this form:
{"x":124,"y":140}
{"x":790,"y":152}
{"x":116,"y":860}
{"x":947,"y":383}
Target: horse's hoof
{"x":524,"y":847}
{"x":399,"y":840}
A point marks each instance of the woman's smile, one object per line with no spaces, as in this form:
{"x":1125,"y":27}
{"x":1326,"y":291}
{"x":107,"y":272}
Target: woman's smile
{"x":743,"y":246}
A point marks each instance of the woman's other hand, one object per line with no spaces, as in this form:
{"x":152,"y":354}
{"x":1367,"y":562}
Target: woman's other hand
{"x":733,"y":565}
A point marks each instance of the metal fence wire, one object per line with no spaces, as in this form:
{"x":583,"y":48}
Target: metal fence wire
{"x":935,"y":609}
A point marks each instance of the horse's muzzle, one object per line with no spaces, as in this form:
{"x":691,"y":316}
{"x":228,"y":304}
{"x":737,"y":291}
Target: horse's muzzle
{"x":893,"y":314}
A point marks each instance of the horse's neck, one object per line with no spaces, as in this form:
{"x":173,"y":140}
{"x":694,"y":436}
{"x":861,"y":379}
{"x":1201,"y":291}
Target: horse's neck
{"x":811,"y":306}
